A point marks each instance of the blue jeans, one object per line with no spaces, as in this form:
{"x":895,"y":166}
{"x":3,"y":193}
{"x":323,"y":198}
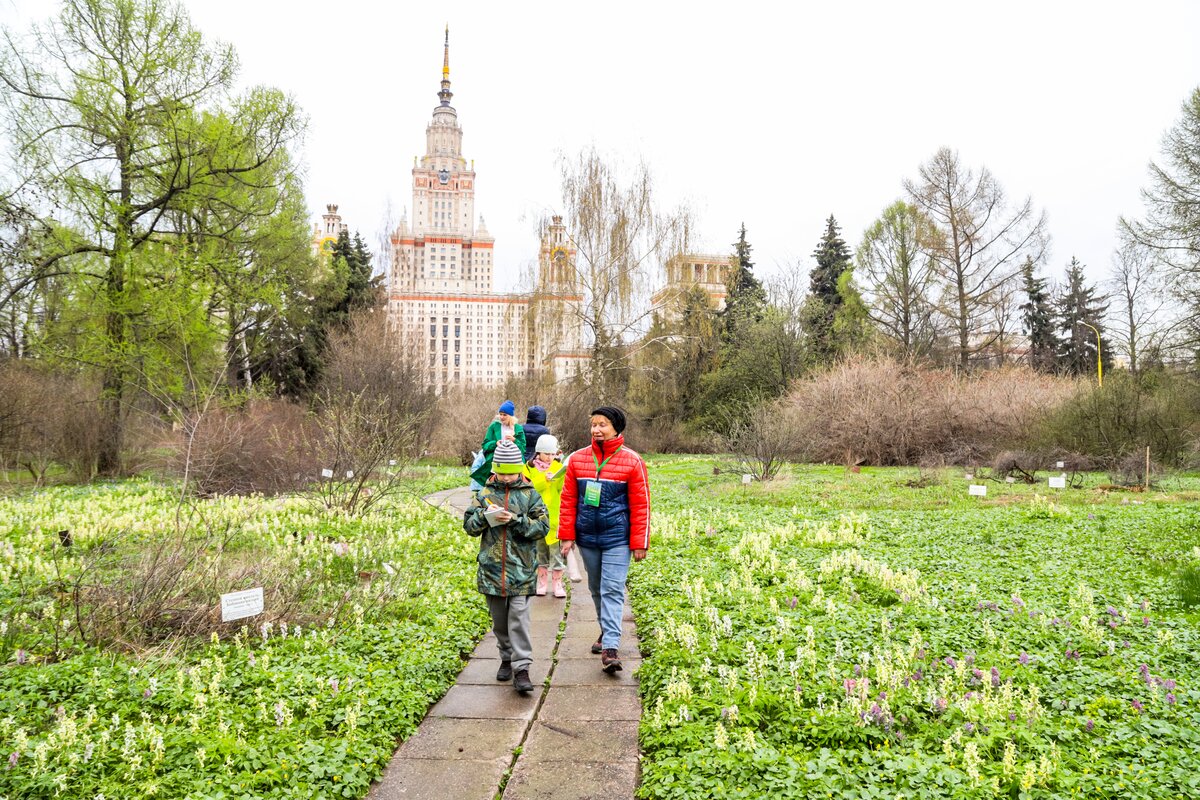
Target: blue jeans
{"x":606,"y":571}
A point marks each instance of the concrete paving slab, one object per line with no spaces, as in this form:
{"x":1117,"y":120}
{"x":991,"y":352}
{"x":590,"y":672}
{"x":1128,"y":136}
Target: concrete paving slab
{"x":599,"y":741}
{"x":586,"y":628}
{"x":587,"y":672}
{"x":439,"y":779}
{"x":576,"y":703}
{"x":482,"y":671}
{"x":550,"y":781}
{"x":465,"y":739}
{"x":546,"y":608}
{"x":581,"y":647}
{"x":488,"y":702}
{"x":582,"y":609}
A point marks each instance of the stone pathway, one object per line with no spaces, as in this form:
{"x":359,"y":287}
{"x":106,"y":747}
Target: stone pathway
{"x":577,"y":732}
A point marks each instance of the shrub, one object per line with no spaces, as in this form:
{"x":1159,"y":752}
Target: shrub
{"x":48,"y":417}
{"x":260,"y":446}
{"x":886,"y":412}
{"x":1159,"y":410}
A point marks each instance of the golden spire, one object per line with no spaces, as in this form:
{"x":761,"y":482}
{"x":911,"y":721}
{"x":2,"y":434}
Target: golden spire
{"x":446,"y":61}
{"x":445,"y":94}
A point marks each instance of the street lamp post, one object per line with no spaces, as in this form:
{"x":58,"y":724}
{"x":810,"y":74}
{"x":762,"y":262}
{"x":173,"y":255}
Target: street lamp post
{"x":1099,"y":364}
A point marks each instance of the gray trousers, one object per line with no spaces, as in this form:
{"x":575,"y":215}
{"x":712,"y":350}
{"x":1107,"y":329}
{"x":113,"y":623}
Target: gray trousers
{"x":510,"y":622}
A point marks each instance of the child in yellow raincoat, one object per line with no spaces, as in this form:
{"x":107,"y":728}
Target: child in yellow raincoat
{"x":539,"y":472}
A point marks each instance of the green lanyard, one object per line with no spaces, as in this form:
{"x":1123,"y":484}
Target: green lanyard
{"x":600,"y":464}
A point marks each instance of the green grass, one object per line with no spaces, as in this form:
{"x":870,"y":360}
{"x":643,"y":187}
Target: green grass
{"x":1077,"y":598}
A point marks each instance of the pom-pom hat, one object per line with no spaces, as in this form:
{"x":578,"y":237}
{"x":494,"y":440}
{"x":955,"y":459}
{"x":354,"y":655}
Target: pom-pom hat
{"x":508,"y":458}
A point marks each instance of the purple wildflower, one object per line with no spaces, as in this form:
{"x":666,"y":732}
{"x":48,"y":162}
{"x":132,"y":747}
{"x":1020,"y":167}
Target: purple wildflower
{"x":977,"y":675}
{"x":1137,"y":706}
{"x":1169,"y":685}
{"x":1017,"y":601}
{"x":333,"y":684}
{"x":995,"y":677}
{"x":1144,"y":669}
{"x":1112,"y":623}
{"x":1170,"y":698}
{"x":969,"y":658}
{"x":1091,"y":516}
{"x":792,"y":603}
{"x":146,"y":694}
{"x":921,"y":654}
{"x":1145,"y":605}
{"x":1090,"y":725}
{"x":951,"y":663}
{"x":919,"y":675}
{"x":941,"y":704}
{"x":969,"y":728}
{"x":1146,"y":621}
{"x":1012,"y":717}
{"x":21,"y":657}
{"x":857,"y":670}
{"x":1112,"y":612}
{"x":13,"y":759}
{"x":1024,"y":659}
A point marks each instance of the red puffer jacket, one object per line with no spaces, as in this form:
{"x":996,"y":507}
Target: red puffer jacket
{"x":623,"y":516}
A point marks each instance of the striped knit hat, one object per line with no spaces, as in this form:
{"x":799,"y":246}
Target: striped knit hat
{"x":508,"y":458}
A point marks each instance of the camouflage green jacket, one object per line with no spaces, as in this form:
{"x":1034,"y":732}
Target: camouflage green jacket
{"x":508,"y":553}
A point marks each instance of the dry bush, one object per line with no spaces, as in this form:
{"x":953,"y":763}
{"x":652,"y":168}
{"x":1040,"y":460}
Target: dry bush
{"x":1136,"y":469}
{"x":459,"y":422}
{"x":373,"y":414}
{"x":258,"y":447}
{"x":762,"y":439}
{"x":48,"y":417}
{"x":1018,"y":464}
{"x":885,"y":412}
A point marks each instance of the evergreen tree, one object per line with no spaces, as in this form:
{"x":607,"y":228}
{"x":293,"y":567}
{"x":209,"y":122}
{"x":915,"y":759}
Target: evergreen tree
{"x":825,"y":299}
{"x":1080,"y":312}
{"x":745,"y":298}
{"x":1037,"y":313}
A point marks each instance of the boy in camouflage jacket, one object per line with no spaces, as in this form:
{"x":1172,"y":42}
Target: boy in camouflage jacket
{"x":507,"y":572}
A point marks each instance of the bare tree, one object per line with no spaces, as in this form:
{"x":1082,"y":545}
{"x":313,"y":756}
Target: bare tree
{"x":1142,"y":319}
{"x":976,"y":243}
{"x":899,"y":279}
{"x":620,"y":239}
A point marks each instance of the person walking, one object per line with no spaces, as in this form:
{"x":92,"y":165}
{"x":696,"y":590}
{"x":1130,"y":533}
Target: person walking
{"x":605,"y":515}
{"x":510,"y":518}
{"x":546,"y":474}
{"x":535,"y":427}
{"x":504,"y":428}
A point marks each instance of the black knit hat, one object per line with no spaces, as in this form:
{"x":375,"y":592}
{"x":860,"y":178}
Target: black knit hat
{"x":615,"y":415}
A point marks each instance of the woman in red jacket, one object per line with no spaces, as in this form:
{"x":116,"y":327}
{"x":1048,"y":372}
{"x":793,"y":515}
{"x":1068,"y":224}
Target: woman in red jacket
{"x":605,"y":513}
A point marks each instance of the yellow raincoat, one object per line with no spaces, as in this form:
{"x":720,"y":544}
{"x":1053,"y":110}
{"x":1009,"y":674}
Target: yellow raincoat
{"x":551,"y":491}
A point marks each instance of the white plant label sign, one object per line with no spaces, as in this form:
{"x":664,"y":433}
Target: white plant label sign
{"x":1058,"y":483}
{"x":239,"y":605}
{"x":1060,"y":464}
{"x":326,"y":473}
{"x":349,"y":474}
{"x":1010,"y":479}
{"x":977,"y":490}
{"x":746,"y":479}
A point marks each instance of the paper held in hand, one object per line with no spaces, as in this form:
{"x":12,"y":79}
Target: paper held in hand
{"x":977,"y":490}
{"x":492,"y":515}
{"x":558,"y":473}
{"x":239,"y":605}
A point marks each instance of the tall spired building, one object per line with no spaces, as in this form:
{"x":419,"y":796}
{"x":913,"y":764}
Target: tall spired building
{"x":441,"y":294}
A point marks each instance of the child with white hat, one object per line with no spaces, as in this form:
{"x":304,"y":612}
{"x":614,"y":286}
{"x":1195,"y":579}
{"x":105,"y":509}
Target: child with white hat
{"x":546,"y":474}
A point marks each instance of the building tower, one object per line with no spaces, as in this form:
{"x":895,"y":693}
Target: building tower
{"x":326,"y":232}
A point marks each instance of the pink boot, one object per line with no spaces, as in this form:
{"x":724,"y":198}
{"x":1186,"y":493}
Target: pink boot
{"x":542,"y":579}
{"x":557,"y":579}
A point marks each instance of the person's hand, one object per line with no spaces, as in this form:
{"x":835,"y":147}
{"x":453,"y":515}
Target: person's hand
{"x":510,"y":438}
{"x":505,"y":516}
{"x":567,"y":544}
{"x":638,"y":555}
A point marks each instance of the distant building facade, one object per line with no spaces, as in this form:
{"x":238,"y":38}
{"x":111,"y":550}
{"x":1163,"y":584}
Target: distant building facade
{"x":325,"y":233}
{"x":685,"y":272}
{"x":440,"y":288}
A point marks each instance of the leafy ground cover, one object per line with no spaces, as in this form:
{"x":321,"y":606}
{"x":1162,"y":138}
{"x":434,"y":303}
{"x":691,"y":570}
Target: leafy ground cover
{"x":878,"y":635}
{"x":308,"y":705}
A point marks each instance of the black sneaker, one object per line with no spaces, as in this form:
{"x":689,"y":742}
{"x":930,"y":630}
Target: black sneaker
{"x":521,"y":682}
{"x":505,"y":671}
{"x":610,"y":662}
{"x":597,"y":647}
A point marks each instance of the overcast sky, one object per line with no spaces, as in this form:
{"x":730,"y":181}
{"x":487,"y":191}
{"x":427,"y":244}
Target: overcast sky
{"x":777,"y":118}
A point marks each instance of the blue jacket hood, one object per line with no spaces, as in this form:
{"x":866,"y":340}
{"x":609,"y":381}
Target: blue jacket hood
{"x":536,"y":415}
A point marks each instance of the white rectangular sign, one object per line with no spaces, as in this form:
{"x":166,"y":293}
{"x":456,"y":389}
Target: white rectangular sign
{"x":326,"y":473}
{"x":1060,"y":464}
{"x":1010,"y":479}
{"x":239,"y":605}
{"x":746,"y":479}
{"x":977,"y":490}
{"x":1058,"y":483}
{"x":349,"y":474}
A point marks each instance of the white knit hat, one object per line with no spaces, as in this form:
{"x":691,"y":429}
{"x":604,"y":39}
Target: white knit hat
{"x":546,"y":443}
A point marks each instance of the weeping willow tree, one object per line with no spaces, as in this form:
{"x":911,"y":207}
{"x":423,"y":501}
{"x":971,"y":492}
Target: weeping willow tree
{"x":620,"y":239}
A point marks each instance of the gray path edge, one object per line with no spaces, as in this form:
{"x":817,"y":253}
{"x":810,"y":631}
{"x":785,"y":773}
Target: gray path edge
{"x":577,"y":737}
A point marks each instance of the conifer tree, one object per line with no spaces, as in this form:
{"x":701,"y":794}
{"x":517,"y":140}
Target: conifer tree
{"x":833,"y":258}
{"x":1080,"y":313}
{"x":745,"y":298}
{"x":1037,"y":314}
